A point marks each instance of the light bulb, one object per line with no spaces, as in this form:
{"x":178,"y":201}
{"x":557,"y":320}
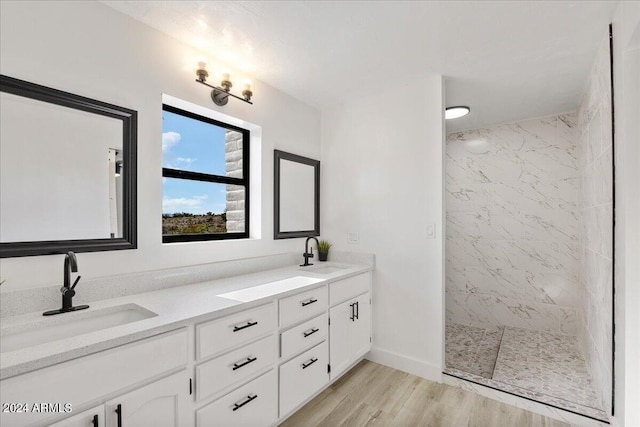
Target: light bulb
{"x":201,"y":72}
{"x":247,"y":93}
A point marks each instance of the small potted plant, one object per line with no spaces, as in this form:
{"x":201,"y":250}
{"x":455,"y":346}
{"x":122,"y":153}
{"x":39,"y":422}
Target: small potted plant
{"x":323,"y":250}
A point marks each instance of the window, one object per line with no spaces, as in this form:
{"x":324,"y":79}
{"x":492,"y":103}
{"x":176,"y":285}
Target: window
{"x":205,"y":178}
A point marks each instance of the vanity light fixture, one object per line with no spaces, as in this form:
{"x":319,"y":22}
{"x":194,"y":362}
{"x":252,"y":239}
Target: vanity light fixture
{"x":456,"y":112}
{"x":220,"y":94}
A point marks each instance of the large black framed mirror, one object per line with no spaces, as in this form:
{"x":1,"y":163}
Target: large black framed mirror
{"x":296,"y":196}
{"x":68,"y":172}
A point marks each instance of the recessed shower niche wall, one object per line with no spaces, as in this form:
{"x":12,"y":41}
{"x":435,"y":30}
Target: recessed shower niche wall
{"x":512,"y":225}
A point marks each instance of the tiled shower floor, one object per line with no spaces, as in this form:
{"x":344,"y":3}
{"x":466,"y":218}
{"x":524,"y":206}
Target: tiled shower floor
{"x":541,"y":366}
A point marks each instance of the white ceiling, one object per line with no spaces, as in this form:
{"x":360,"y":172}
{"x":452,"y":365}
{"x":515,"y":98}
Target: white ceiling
{"x":507,"y":60}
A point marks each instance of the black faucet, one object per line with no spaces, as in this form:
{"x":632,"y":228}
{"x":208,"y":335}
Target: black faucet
{"x":306,"y":253}
{"x":68,"y":292}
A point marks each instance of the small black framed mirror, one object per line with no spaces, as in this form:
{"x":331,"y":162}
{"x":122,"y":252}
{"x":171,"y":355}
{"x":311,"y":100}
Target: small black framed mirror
{"x":68,"y":172}
{"x":296,"y":196}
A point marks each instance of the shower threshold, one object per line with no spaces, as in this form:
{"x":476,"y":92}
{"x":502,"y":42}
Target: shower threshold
{"x":536,"y":365}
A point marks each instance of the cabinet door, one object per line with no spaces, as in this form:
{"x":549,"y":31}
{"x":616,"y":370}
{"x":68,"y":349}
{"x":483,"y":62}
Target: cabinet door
{"x":93,"y":417}
{"x":164,"y":403}
{"x":360,"y":339}
{"x":339,"y":330}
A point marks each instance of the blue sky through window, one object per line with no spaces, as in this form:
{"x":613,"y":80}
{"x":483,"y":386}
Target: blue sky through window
{"x":192,"y":145}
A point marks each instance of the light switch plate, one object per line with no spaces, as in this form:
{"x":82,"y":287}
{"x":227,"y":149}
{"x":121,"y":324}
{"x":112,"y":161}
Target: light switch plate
{"x":431,"y":231}
{"x":353,"y":237}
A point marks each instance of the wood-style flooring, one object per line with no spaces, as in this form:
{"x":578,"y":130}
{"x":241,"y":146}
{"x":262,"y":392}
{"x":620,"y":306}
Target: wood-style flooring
{"x":376,"y":395}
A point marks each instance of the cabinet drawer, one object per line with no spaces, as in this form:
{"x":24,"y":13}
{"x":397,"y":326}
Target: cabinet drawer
{"x":218,"y":335}
{"x":351,"y":287}
{"x":216,"y":375}
{"x":301,"y":377}
{"x":254,"y":404}
{"x":303,"y":336}
{"x":303,"y":306}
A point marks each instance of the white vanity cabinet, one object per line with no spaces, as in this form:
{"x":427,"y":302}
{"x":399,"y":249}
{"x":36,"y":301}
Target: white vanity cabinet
{"x":93,"y":417}
{"x":350,"y":322}
{"x":250,"y":367}
{"x":235,"y":380}
{"x":349,"y":333}
{"x":304,"y":352}
{"x":89,"y":379}
{"x":163,"y":403}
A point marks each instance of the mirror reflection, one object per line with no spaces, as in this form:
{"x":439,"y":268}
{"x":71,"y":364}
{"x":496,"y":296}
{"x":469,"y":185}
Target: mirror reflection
{"x":68,"y":172}
{"x":65,"y":161}
{"x":297,"y":196}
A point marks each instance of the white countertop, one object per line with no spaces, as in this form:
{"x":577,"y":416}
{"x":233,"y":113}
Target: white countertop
{"x":175,"y":307}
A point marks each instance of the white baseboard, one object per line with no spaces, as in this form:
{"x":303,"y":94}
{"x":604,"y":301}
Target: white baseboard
{"x":407,"y":364}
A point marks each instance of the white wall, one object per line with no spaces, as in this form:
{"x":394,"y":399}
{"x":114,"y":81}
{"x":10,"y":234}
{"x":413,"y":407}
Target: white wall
{"x":91,"y":50}
{"x":626,"y":65}
{"x":382,"y":177}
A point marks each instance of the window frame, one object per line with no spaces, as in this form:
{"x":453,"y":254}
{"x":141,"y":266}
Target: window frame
{"x":220,"y":179}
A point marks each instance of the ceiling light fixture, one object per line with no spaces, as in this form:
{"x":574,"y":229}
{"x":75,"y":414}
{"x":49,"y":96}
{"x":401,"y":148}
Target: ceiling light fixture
{"x":456,"y":112}
{"x":220,"y":95}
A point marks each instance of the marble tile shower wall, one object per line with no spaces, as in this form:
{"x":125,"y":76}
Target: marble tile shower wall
{"x":512,"y":249}
{"x":596,"y":210}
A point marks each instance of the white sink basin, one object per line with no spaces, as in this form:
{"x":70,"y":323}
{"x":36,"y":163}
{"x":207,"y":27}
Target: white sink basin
{"x":324,"y":269}
{"x":69,"y":325}
{"x":261,"y":291}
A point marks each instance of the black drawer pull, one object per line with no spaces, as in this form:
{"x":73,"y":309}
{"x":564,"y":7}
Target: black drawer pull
{"x":311,"y":301}
{"x":119,"y":412}
{"x":311,"y":362}
{"x":248,"y":325}
{"x":94,"y":421}
{"x":311,"y":332}
{"x":357,"y":315}
{"x":249,"y":360}
{"x":250,"y":398}
{"x":353,"y":312}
